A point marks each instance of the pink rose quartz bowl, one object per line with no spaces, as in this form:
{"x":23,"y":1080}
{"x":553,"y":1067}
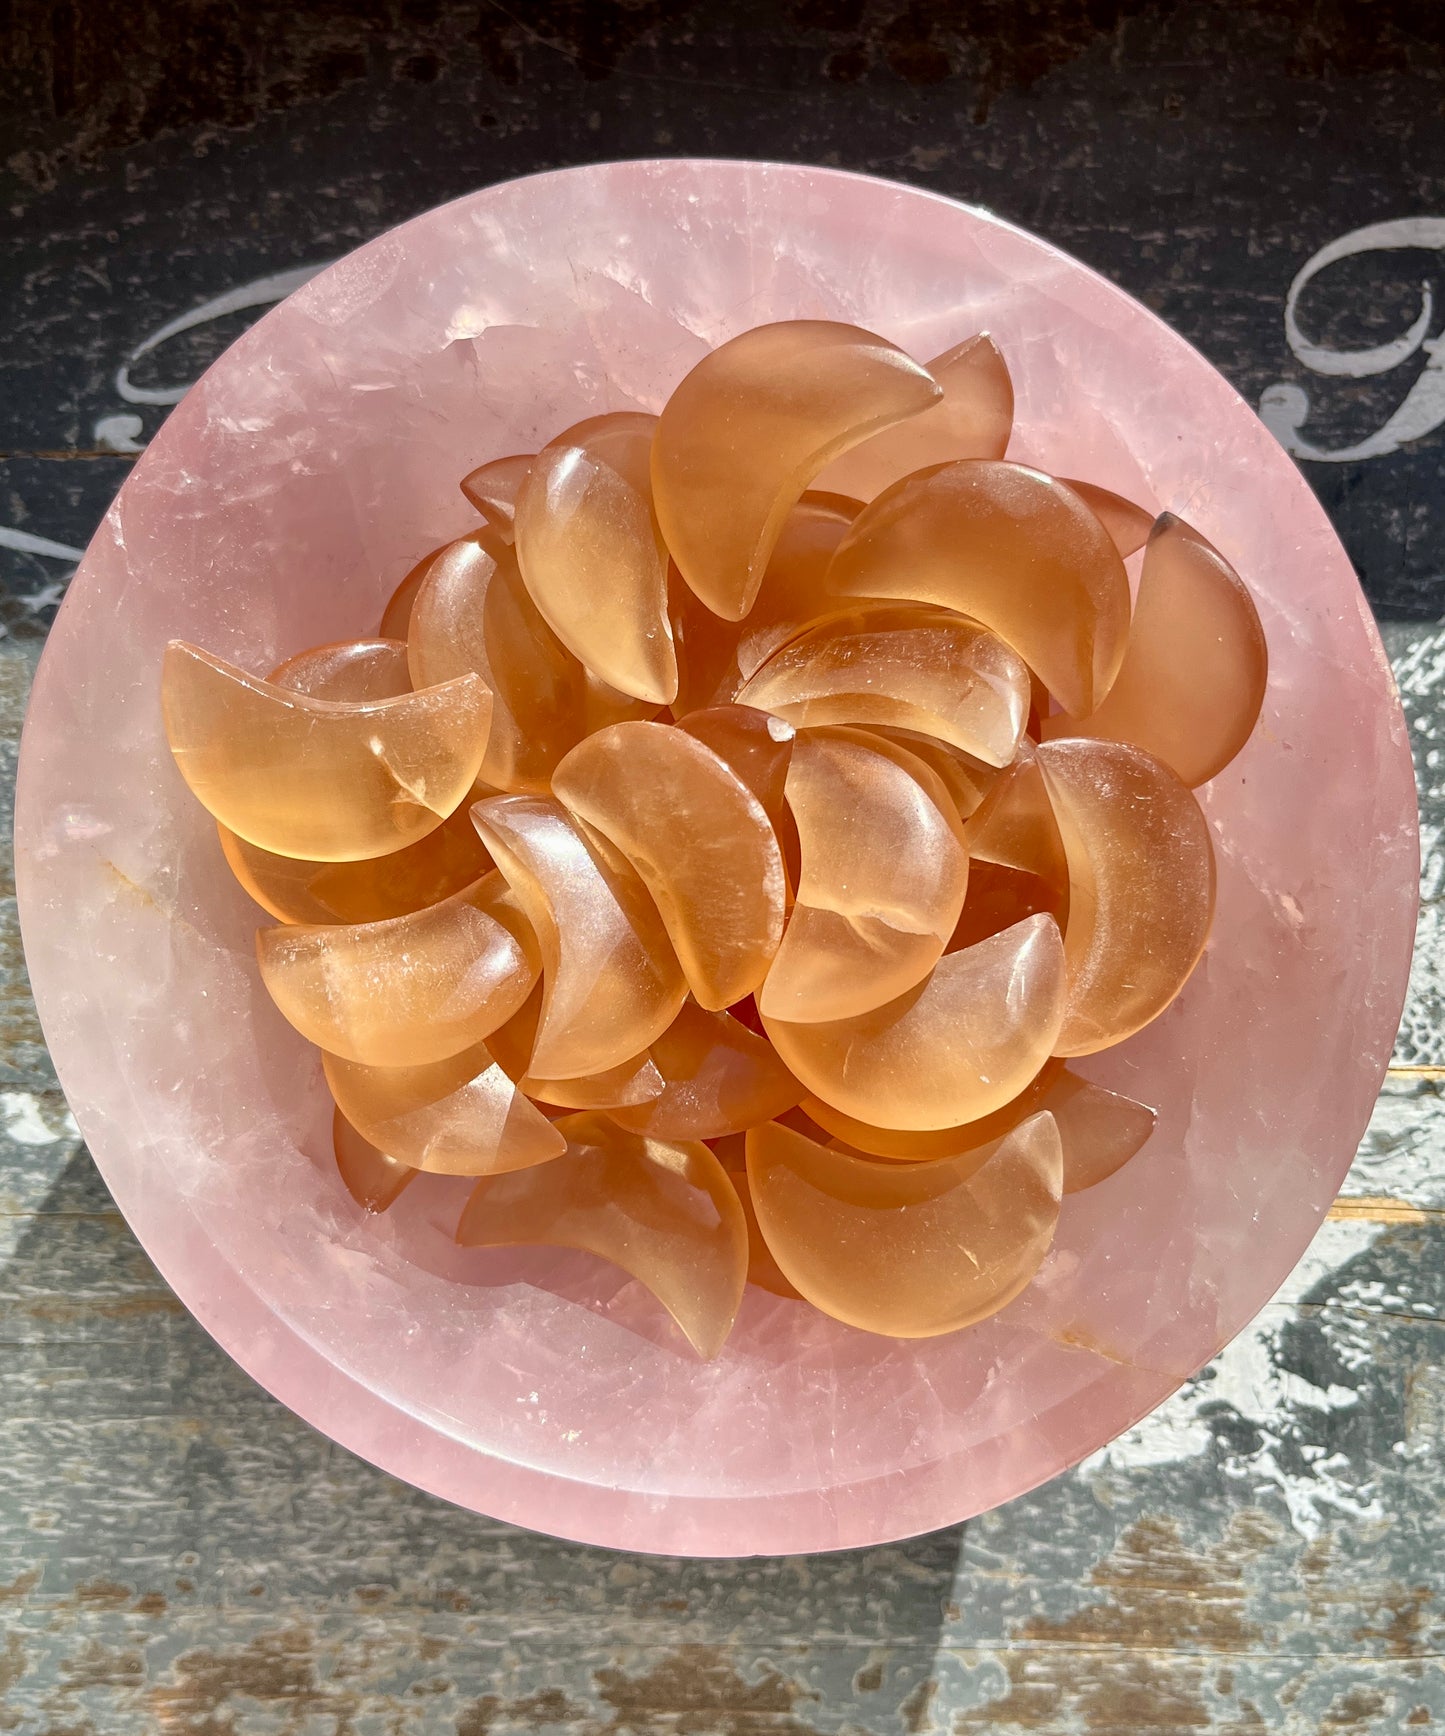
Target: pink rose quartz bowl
{"x":287,"y":495}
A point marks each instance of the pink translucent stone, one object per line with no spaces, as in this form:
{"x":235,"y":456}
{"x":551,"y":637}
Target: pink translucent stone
{"x":911,"y":1250}
{"x":751,"y":426}
{"x":278,"y":507}
{"x":1014,"y":550}
{"x":974,"y":420}
{"x":1193,"y":677}
{"x":664,"y":1212}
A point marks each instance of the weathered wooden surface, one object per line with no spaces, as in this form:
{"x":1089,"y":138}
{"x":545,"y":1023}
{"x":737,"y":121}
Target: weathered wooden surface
{"x":178,"y":1554}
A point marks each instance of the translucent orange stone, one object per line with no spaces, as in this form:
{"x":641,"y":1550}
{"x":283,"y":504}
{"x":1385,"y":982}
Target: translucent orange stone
{"x":716,"y":657}
{"x":1014,"y":825}
{"x":1192,"y":681}
{"x":593,"y":559}
{"x":319,"y":778}
{"x":907,"y":666}
{"x":1000,"y":897}
{"x":294,"y":889}
{"x":902,"y":1145}
{"x":664,"y":1212}
{"x":763,"y":1269}
{"x":754,"y":745}
{"x":632,"y":1081}
{"x":396,"y":617}
{"x":610,"y":981}
{"x":1141,"y":887}
{"x":700,"y":840}
{"x":493,"y":488}
{"x":974,"y":420}
{"x":1101,"y":1130}
{"x":718,"y":1078}
{"x":1014,"y":550}
{"x":750,"y":427}
{"x":461,"y":1116}
{"x":908,"y":1250}
{"x":351,"y":669}
{"x":967,"y":780}
{"x":883,"y":875}
{"x":1128,"y":525}
{"x":373,"y":1179}
{"x":474,"y":614}
{"x":415,"y":989}
{"x":960,"y":1045}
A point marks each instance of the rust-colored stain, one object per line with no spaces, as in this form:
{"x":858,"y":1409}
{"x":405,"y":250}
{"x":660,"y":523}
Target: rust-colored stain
{"x":537,"y":1711}
{"x":699,"y":1691}
{"x":1381,"y":1209}
{"x":1355,"y":1709}
{"x":1406,"y":1631}
{"x":132,"y":887}
{"x":198,"y":1694}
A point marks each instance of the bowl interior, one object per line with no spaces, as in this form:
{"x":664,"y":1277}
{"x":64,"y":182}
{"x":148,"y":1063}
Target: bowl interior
{"x":285,"y":498}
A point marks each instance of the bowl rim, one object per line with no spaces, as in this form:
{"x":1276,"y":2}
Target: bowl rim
{"x":301,"y":1377}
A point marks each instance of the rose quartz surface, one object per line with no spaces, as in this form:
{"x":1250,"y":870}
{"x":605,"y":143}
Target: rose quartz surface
{"x":284,"y":499}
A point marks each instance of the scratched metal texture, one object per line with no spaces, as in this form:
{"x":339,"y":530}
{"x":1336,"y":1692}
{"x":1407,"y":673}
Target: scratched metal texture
{"x":178,"y":1555}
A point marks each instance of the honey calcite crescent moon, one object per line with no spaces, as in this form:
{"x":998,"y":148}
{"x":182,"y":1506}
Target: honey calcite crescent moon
{"x":1192,"y":681}
{"x":750,"y":427}
{"x":634,"y":1080}
{"x":460,"y":1116}
{"x":1014,"y":825}
{"x":1141,"y":887}
{"x":960,"y":1045}
{"x":908,"y":666}
{"x":493,"y":488}
{"x":373,"y":1179}
{"x":592,"y":557}
{"x":610,"y":980}
{"x":754,"y":745}
{"x":415,"y":989}
{"x":295,"y":889}
{"x":908,"y":1250}
{"x":884,"y":872}
{"x":700,"y":840}
{"x":665,"y":1212}
{"x":324,"y":779}
{"x":1128,"y":525}
{"x":718,"y":1077}
{"x":1011,"y":548}
{"x":473,"y":613}
{"x":974,"y":420}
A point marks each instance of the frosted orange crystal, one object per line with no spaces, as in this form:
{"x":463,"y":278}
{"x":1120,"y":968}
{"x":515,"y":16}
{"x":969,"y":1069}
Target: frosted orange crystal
{"x":958,"y":1046}
{"x":1013,"y":549}
{"x":999,"y":897}
{"x":967,"y":780}
{"x":763,"y":1269}
{"x":664,"y":1212}
{"x":294,"y":889}
{"x":884,"y":871}
{"x":474,"y":614}
{"x":974,"y":420}
{"x":373,"y":1179}
{"x":908,"y":666}
{"x":610,"y":979}
{"x":592,"y":558}
{"x":1014,"y":825}
{"x":417,"y":988}
{"x":700,"y":840}
{"x":460,"y":1116}
{"x":903,"y":1145}
{"x":396,"y":617}
{"x":1141,"y":887}
{"x":1100,"y":1130}
{"x":716,"y":657}
{"x":908,"y":1250}
{"x":718,"y":1078}
{"x":632,"y":1081}
{"x":1192,"y":681}
{"x":493,"y":488}
{"x":324,"y":779}
{"x":754,"y":745}
{"x":1128,"y":525}
{"x":750,"y":427}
